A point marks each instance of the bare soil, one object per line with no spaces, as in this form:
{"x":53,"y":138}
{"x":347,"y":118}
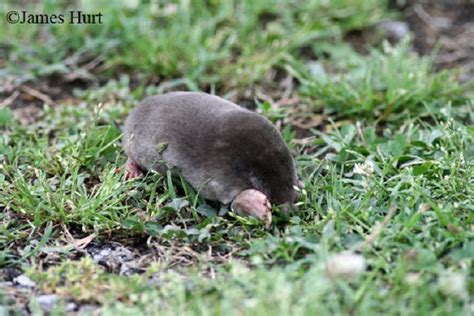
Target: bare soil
{"x":446,"y":26}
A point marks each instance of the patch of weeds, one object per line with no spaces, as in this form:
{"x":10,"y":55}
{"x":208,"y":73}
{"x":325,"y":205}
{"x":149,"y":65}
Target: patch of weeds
{"x":236,"y":289}
{"x":70,"y":178}
{"x":399,"y":195}
{"x":383,"y":84}
{"x":116,"y":95}
{"x":65,"y":170}
{"x":195,"y":44}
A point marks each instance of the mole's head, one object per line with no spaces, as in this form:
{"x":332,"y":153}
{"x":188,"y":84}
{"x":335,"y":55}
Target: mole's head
{"x":277,"y":175}
{"x":260,"y":157}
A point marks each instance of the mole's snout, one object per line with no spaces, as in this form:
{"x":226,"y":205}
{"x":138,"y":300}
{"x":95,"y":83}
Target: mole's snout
{"x":252,"y":202}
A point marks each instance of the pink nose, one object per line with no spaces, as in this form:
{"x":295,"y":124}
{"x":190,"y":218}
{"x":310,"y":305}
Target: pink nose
{"x":252,"y":202}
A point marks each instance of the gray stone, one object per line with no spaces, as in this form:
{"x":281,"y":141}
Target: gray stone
{"x":47,"y":302}
{"x":24,"y":281}
{"x":70,"y":307}
{"x":395,"y":29}
{"x":89,"y":308}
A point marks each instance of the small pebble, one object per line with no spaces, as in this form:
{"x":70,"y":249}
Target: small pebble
{"x":24,"y":281}
{"x":47,"y":302}
{"x":395,"y":29}
{"x":345,"y":265}
{"x":453,"y":284}
{"x":89,"y":308}
{"x":71,"y":307}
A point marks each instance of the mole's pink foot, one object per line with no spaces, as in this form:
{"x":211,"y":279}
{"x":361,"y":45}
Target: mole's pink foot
{"x":133,"y":170}
{"x":253,"y":203}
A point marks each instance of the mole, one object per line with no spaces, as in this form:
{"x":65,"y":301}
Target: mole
{"x":227,"y":153}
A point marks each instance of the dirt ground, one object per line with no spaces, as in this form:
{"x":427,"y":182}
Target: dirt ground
{"x":443,"y":25}
{"x":446,"y":26}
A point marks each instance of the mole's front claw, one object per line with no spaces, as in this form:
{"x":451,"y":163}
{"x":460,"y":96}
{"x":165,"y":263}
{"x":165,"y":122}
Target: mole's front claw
{"x":132,"y":169}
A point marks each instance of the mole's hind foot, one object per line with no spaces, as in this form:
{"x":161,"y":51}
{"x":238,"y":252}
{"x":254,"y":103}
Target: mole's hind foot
{"x":132,"y":169}
{"x":253,"y":203}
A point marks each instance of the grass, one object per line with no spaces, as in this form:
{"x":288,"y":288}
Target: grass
{"x":385,"y":83}
{"x":388,"y":173}
{"x":187,"y":43}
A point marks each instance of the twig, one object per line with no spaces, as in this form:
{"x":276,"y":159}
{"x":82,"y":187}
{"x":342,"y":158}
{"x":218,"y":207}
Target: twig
{"x":9,"y":100}
{"x":424,"y":16}
{"x":78,"y":244}
{"x":82,"y":243}
{"x":361,"y":133}
{"x":377,"y":230}
{"x":303,"y":141}
{"x":449,"y":58}
{"x":93,"y":63}
{"x":37,"y":94}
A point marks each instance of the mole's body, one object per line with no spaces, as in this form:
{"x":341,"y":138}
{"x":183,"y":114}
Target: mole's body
{"x":220,"y":148}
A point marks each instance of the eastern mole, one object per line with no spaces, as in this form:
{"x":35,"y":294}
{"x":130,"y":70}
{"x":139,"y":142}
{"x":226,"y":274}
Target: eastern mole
{"x":227,"y":153}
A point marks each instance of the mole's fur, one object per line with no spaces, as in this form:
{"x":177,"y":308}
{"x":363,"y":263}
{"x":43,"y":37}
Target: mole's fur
{"x":220,"y":148}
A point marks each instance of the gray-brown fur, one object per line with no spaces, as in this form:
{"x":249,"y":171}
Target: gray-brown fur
{"x":220,"y":148}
